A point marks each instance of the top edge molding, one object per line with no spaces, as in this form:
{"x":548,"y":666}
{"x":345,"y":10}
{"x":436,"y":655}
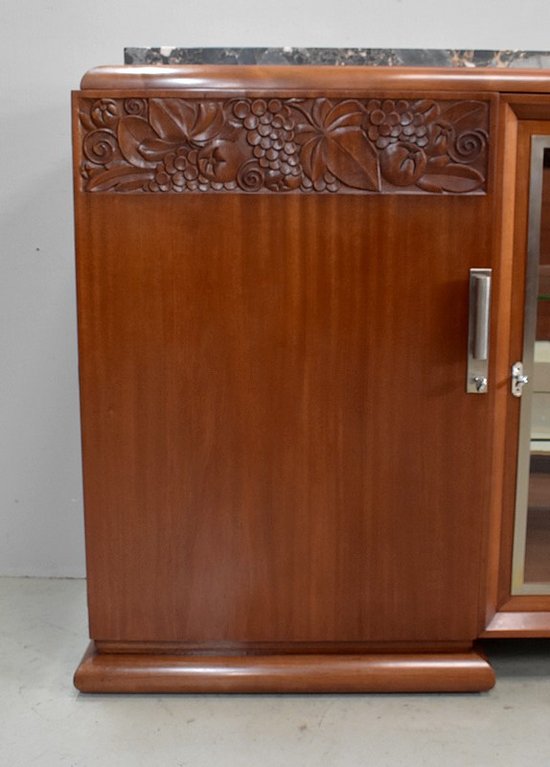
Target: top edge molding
{"x":309,"y":79}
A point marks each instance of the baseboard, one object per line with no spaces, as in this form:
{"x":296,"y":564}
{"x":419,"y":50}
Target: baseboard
{"x":329,"y":673}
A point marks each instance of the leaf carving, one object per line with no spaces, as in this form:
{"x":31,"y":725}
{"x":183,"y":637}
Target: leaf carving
{"x":172,"y":119}
{"x":132,"y":132}
{"x":280,"y":145}
{"x":465,"y":113}
{"x":352,"y":159}
{"x":332,"y":140}
{"x":118,"y":177}
{"x":154,"y":149}
{"x":429,"y":110}
{"x":208,"y":123}
{"x":313,"y":159}
{"x":450,"y":178}
{"x":177,"y":121}
{"x":320,"y":112}
{"x":344,"y":114}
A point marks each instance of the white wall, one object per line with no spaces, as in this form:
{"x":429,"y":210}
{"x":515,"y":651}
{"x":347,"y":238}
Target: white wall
{"x":46,"y":45}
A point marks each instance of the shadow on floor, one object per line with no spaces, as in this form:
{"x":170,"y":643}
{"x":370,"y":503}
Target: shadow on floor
{"x":518,"y":657}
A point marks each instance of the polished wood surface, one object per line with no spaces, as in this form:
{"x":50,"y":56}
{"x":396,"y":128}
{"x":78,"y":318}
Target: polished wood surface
{"x":163,"y":144}
{"x":270,"y":394}
{"x":323,"y":80}
{"x":493,"y":585}
{"x":281,"y":464}
{"x":517,"y":623}
{"x":278,"y":648}
{"x":429,"y":672}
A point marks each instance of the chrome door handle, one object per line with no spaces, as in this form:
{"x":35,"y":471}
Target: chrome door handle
{"x":482,"y":303}
{"x":477,"y":381}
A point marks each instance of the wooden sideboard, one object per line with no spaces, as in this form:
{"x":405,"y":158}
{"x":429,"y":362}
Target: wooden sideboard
{"x":287,"y":485}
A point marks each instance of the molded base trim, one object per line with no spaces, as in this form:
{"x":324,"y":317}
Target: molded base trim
{"x":381,"y":672}
{"x":518,"y":624}
{"x":225,"y":648}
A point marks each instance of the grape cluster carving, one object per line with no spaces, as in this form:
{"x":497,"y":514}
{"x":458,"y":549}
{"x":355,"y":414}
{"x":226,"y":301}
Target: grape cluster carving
{"x":316,"y":145}
{"x":392,"y":121}
{"x":177,"y":172}
{"x":270,"y":132}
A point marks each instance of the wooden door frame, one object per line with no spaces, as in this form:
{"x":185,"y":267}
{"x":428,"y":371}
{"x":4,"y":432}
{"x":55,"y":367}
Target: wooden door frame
{"x":507,"y":615}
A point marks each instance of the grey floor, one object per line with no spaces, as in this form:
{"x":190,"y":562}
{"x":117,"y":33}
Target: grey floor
{"x":44,"y":721}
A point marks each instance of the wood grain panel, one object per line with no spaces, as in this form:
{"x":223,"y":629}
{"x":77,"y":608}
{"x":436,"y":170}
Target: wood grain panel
{"x":277,"y":442}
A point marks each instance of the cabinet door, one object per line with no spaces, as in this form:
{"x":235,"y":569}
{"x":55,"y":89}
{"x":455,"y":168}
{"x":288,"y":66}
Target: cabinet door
{"x":278,"y":443}
{"x":529,"y":411}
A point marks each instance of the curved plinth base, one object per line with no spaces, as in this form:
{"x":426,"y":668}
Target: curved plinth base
{"x":397,"y":672}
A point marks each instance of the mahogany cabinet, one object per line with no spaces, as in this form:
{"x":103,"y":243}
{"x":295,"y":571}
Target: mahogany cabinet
{"x":298,"y":433}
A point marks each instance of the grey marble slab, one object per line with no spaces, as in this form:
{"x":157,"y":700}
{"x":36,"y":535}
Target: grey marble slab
{"x":339,"y":56}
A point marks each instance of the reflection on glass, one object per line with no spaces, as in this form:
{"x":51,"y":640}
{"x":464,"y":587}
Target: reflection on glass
{"x":537,"y":543}
{"x":532,"y":562}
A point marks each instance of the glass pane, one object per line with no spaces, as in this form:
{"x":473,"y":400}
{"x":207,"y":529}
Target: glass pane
{"x":537,"y":540}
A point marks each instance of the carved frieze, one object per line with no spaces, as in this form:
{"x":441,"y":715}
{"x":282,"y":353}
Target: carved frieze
{"x":272,"y":145}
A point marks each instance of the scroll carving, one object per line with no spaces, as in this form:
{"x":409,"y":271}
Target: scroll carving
{"x":289,"y":145}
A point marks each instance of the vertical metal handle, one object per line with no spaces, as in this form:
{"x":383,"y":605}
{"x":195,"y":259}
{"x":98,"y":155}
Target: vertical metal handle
{"x":477,"y":381}
{"x":482,"y":284}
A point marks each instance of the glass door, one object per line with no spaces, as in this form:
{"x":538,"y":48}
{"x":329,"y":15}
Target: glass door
{"x":531,"y":382}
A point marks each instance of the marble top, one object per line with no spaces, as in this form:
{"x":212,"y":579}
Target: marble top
{"x":408,"y":57}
